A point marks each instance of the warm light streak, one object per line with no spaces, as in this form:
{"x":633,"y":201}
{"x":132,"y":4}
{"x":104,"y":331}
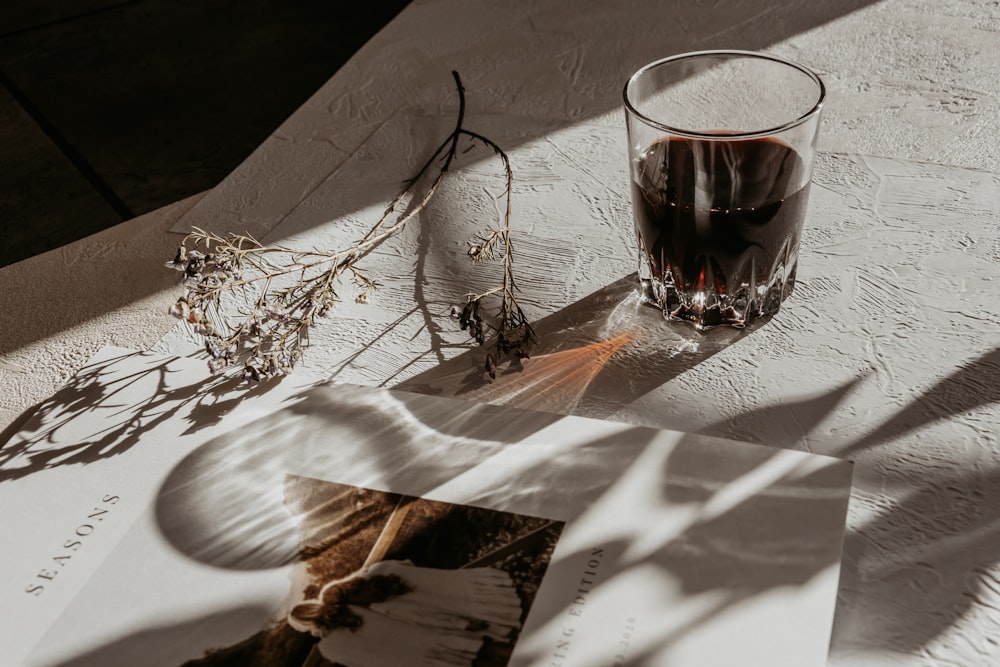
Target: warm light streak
{"x":554,"y":382}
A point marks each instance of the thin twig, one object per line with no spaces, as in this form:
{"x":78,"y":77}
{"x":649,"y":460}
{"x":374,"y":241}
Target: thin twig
{"x":272,"y":330}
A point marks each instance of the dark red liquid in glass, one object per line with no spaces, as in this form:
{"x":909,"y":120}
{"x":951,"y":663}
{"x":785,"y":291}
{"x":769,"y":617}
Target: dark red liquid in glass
{"x":722,"y":217}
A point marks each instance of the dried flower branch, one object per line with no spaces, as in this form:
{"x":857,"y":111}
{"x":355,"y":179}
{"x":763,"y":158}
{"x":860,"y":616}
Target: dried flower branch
{"x":254,"y":304}
{"x":514,"y":334}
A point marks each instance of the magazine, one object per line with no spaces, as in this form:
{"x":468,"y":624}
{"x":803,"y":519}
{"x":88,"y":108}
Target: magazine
{"x":169,"y":519}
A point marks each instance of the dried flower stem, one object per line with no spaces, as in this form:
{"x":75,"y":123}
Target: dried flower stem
{"x":273,"y":322}
{"x":514,"y":334}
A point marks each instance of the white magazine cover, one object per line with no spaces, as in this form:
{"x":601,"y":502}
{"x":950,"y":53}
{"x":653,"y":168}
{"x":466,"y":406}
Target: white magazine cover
{"x":165,"y":518}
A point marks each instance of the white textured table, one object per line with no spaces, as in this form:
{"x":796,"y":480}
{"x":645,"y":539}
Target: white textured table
{"x":889,"y":352}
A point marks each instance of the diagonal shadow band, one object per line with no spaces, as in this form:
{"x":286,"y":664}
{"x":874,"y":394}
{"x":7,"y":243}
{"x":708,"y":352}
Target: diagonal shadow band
{"x":974,"y":384}
{"x":593,"y":357}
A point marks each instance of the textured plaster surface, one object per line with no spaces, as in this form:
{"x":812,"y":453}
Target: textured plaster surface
{"x":888,"y":352}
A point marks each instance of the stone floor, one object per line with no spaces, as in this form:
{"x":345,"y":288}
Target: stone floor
{"x":109,"y":109}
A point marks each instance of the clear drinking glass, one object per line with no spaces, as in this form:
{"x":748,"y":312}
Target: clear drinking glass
{"x":721,"y":150}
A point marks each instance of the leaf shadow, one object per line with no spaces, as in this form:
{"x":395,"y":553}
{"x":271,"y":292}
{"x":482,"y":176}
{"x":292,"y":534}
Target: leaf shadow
{"x":933,"y":550}
{"x":930,"y":552}
{"x":921,"y":558}
{"x":923,"y":564}
{"x":974,"y":384}
{"x":146,"y":396}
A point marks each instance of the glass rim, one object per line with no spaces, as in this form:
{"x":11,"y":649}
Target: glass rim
{"x":726,"y":135}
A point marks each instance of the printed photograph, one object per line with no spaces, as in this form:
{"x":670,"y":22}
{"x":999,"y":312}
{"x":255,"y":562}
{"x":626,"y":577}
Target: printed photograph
{"x":388,"y":579}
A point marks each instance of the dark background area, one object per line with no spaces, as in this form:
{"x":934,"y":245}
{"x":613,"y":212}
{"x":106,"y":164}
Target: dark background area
{"x":111,"y":109}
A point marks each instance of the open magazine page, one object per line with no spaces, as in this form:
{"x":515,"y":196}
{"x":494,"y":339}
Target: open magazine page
{"x":339,"y":525}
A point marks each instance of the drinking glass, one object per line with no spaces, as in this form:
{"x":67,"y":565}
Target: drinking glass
{"x":721,"y":151}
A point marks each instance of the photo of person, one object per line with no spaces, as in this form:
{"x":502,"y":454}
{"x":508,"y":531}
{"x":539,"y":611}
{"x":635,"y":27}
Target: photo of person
{"x":387,"y":579}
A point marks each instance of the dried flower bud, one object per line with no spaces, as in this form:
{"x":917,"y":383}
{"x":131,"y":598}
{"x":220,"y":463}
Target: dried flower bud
{"x":455,"y":312}
{"x":194,"y":266}
{"x":213,"y":281}
{"x":217,"y":365}
{"x":212,"y":348}
{"x":491,"y":366}
{"x":180,"y":309}
{"x":179,"y":262}
{"x":276,"y":313}
{"x":284,"y":365}
{"x":361,"y":298}
{"x":470,"y":314}
{"x":252,"y":329}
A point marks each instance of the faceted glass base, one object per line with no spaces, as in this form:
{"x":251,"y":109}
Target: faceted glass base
{"x":705,"y":309}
